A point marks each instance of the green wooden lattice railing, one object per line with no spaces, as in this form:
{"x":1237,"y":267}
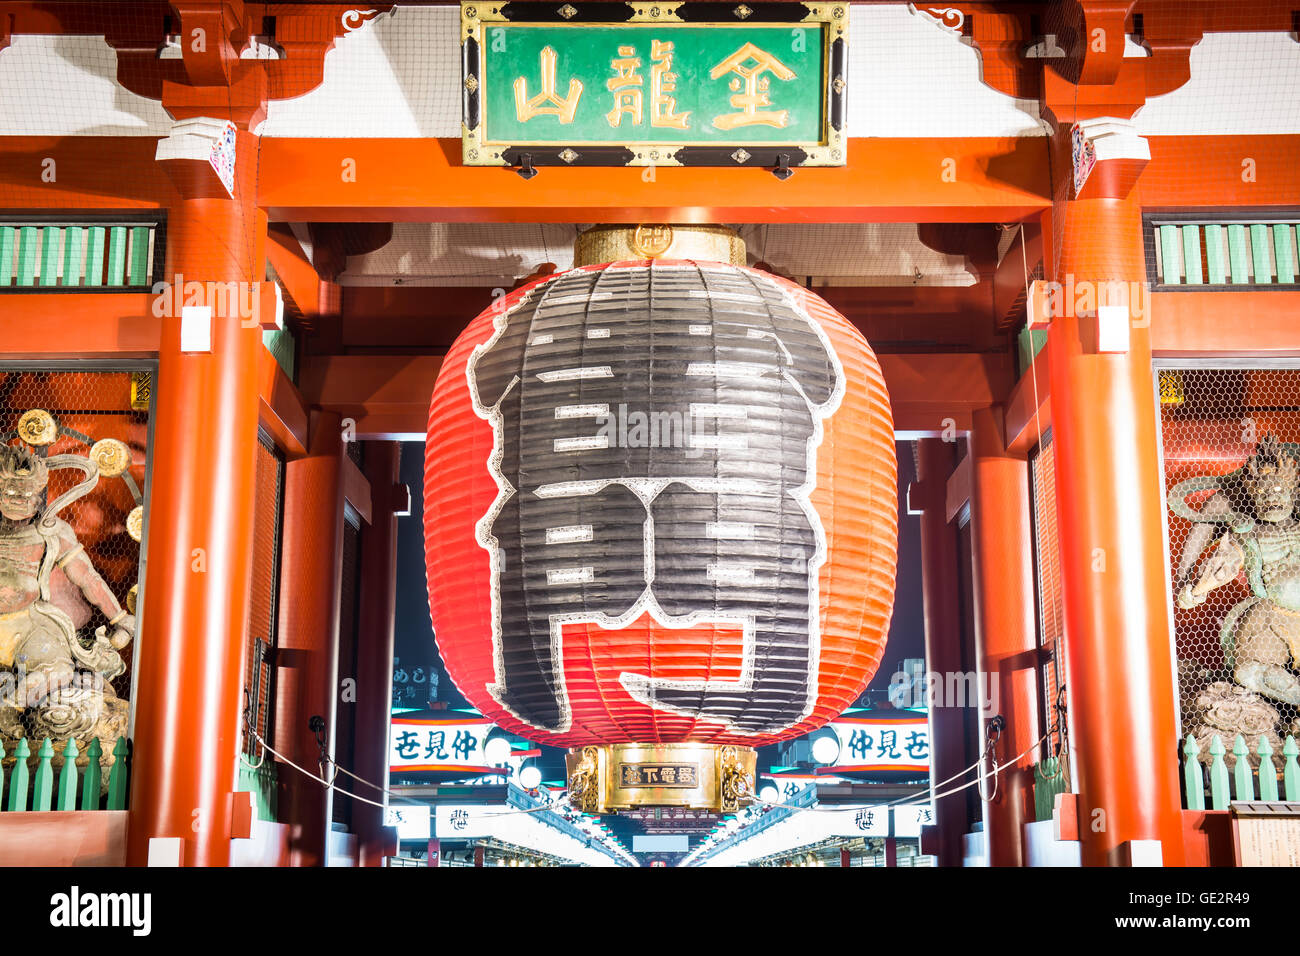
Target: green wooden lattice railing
{"x":1221,"y":787}
{"x":43,"y":256}
{"x":23,"y":788}
{"x":1252,"y":254}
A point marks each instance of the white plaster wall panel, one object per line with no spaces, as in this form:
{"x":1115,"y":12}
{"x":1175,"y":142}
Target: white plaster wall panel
{"x":396,"y":76}
{"x":67,"y":86}
{"x":1240,"y":83}
{"x":496,"y":254}
{"x":468,"y":254}
{"x":910,"y":77}
{"x":866,"y":253}
{"x":401,"y":75}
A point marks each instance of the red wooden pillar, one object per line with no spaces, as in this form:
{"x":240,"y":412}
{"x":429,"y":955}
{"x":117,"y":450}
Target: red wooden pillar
{"x":311,"y":564}
{"x":1121,"y":684}
{"x":941,"y":595}
{"x":1005,"y":639}
{"x":190,"y":652}
{"x":846,"y":856}
{"x":375,"y":643}
{"x":891,"y":851}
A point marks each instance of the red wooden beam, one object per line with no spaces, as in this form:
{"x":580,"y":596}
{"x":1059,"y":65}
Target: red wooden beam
{"x":283,"y":413}
{"x":992,"y":179}
{"x":1254,"y":322}
{"x":78,"y":325}
{"x":1029,"y":409}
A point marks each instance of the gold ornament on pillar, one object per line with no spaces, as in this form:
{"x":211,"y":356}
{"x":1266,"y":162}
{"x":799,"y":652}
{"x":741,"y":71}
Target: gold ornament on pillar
{"x":111,"y":456}
{"x":135,"y":523}
{"x":38,"y":428}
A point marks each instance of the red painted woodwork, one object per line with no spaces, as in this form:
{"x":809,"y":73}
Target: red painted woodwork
{"x":375,"y":616}
{"x":997,"y":179}
{"x":854,"y":495}
{"x":1193,"y":323}
{"x":63,"y":838}
{"x":85,"y":325}
{"x":1112,"y":552}
{"x":311,"y":564}
{"x":1028,"y":413}
{"x":283,"y":413}
{"x":1005,"y":628}
{"x":940,"y":592}
{"x":190,"y":660}
{"x":1207,"y":838}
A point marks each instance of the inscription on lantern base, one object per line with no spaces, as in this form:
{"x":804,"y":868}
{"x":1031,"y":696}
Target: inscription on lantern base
{"x":632,"y":775}
{"x":695,"y":776}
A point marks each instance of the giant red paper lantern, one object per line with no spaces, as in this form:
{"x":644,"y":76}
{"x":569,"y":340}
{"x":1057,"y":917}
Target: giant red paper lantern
{"x":660,"y":506}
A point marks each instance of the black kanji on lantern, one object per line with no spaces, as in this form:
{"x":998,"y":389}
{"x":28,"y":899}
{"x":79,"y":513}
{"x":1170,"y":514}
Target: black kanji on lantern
{"x":702,"y":516}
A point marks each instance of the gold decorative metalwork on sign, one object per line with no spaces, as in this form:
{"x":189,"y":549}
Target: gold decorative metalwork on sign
{"x":111,"y":456}
{"x":690,"y":775}
{"x":38,"y":427}
{"x":584,"y":780}
{"x":737,"y":784}
{"x":658,"y":241}
{"x":135,"y":522}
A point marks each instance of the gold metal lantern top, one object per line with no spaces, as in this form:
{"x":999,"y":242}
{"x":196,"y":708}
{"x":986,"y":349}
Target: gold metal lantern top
{"x":658,"y":241}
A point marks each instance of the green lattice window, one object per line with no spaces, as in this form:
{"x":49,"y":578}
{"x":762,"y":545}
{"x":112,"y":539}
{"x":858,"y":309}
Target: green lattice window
{"x":1223,"y":254}
{"x":51,"y":256}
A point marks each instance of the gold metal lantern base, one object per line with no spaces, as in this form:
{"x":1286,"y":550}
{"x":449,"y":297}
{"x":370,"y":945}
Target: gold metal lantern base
{"x":695,"y":776}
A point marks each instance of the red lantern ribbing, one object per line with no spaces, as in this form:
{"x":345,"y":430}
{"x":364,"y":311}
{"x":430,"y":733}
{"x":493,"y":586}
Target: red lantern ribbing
{"x":660,"y":508}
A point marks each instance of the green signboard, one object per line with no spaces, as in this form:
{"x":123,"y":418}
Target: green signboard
{"x":645,"y":85}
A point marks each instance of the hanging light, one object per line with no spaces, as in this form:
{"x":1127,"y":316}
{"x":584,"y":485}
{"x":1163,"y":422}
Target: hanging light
{"x":825,"y":746}
{"x":496,"y":750}
{"x":529,"y":776}
{"x":557,"y":466}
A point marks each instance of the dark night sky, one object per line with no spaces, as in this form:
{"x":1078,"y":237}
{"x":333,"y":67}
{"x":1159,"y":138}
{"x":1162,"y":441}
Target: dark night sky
{"x":414,"y":642}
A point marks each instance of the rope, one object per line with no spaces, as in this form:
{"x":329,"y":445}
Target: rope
{"x":330,"y":785}
{"x":917,"y":799}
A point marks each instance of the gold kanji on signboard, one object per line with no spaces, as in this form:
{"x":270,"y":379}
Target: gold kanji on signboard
{"x":626,"y":86}
{"x":562,"y":106}
{"x":749,"y":63}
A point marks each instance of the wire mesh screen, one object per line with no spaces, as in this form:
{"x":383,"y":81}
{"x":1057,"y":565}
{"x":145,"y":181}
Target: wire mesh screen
{"x":1047,"y":569}
{"x":72,"y":469}
{"x":1231,"y":455}
{"x":264,"y":599}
